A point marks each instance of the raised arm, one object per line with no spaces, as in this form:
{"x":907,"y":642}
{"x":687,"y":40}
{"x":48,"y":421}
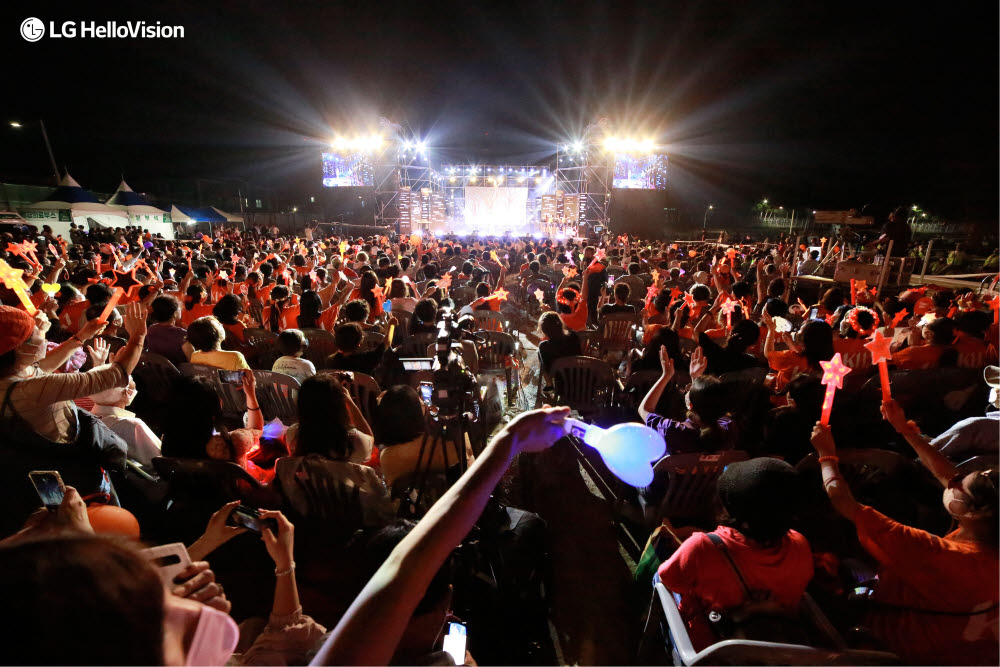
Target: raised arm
{"x":939,"y":465}
{"x":390,"y":597}
{"x":835,"y":485}
{"x":652,"y":398}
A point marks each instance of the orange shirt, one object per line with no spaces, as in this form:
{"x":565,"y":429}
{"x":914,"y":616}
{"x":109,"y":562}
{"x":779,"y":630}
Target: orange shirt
{"x":853,"y":352}
{"x":788,"y":364}
{"x":235,"y":329}
{"x":922,"y":571}
{"x":972,"y":352}
{"x":918,"y":357}
{"x":72,"y":316}
{"x":289,"y":318}
{"x":196,"y":311}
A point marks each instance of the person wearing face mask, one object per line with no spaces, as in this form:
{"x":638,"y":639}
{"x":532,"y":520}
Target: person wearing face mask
{"x":103,"y":603}
{"x":109,"y":405}
{"x":936,"y":599}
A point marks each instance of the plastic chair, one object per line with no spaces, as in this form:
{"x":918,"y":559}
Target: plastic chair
{"x":402,"y":330}
{"x":616,"y":333}
{"x":690,"y":486}
{"x":977,"y":463}
{"x":638,"y":385}
{"x":234,"y":401}
{"x":372,"y":340}
{"x":753,"y":652}
{"x":584,"y":383}
{"x":416,"y":346}
{"x":364,"y":391}
{"x":497,"y":355}
{"x":263,"y":347}
{"x":153,"y":376}
{"x":488,"y":320}
{"x":322,"y":345}
{"x":462,"y":296}
{"x":278,"y":396}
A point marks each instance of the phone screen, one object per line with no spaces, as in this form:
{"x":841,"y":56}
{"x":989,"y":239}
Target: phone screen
{"x":231,"y":377}
{"x":426,"y":392}
{"x":814,"y":313}
{"x":247,"y":517}
{"x":49,"y":485}
{"x":454,"y":642}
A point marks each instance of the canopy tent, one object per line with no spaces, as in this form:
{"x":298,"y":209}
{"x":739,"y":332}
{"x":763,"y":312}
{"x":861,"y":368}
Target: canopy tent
{"x":71,"y":203}
{"x":230,"y":217}
{"x":140,"y":212}
{"x":191,"y":215}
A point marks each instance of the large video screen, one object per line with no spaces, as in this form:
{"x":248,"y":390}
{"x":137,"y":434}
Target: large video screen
{"x":640,"y":172}
{"x":347,"y":170}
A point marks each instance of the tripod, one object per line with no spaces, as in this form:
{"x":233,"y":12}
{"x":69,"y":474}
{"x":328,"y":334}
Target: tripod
{"x":444,"y":432}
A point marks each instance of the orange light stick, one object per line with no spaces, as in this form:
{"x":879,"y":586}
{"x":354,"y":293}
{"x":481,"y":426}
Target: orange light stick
{"x":12,"y":279}
{"x":879,"y":347}
{"x":833,"y":377}
{"x":116,"y":295}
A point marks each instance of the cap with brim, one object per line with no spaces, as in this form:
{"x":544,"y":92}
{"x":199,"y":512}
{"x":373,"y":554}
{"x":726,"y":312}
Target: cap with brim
{"x":992,"y":376}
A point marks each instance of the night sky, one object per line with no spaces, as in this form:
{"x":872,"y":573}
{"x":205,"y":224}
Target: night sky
{"x":816,"y":105}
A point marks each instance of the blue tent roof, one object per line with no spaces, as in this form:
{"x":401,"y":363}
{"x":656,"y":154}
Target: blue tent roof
{"x":201,"y":214}
{"x":69,"y":191}
{"x":126,"y":197}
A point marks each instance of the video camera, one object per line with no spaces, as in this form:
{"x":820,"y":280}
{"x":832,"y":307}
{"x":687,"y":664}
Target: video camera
{"x":454,"y":385}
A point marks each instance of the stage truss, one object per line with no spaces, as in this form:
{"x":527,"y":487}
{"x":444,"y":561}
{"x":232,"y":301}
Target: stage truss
{"x":570,"y":197}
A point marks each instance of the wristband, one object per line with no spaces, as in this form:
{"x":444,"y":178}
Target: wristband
{"x":285,"y":573}
{"x":911,"y":428}
{"x":827,"y":482}
{"x":257,"y":409}
{"x":833,"y":458}
{"x":77,"y":339}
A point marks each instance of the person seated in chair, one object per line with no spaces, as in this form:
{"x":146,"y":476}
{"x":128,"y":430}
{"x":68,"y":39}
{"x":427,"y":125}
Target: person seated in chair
{"x":109,"y":405}
{"x":621,"y":305}
{"x":204,"y":346}
{"x":752,"y":556}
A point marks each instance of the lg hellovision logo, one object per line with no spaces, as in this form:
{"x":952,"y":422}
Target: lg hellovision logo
{"x":34,"y":29}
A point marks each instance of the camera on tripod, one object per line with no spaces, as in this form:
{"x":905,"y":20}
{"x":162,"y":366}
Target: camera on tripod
{"x":454,"y":392}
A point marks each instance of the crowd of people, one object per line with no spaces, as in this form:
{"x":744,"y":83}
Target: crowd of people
{"x":725,"y":352}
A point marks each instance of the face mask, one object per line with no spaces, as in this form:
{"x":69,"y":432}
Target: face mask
{"x":958,"y":507}
{"x":214,"y":640}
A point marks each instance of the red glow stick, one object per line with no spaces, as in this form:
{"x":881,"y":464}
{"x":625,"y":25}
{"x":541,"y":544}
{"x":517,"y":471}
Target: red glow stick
{"x":854,"y":295}
{"x":879,"y":347}
{"x":995,"y":305}
{"x":11,"y":278}
{"x":116,"y":295}
{"x":728,"y":307}
{"x":833,"y":377}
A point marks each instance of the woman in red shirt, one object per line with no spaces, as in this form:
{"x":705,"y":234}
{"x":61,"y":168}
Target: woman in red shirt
{"x":936,"y":601}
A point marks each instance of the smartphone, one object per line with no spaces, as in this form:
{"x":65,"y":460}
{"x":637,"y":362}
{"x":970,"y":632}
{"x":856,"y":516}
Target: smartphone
{"x":611,"y":281}
{"x":50,"y":487}
{"x":231,"y":377}
{"x":454,"y":642}
{"x":169,"y":559}
{"x":427,"y":392}
{"x":814,"y":313}
{"x":249,"y":517}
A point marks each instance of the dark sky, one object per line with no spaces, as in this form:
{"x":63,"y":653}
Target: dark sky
{"x":814,"y":104}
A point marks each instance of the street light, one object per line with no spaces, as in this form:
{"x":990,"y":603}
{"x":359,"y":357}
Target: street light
{"x":704,"y":222}
{"x":48,"y":147}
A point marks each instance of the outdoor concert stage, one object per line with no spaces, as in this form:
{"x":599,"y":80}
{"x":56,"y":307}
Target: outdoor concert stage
{"x":567,"y":195}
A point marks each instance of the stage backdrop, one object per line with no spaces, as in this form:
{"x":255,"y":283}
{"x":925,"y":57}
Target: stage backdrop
{"x":495,"y":210}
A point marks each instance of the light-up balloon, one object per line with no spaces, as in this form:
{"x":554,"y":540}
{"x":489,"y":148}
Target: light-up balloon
{"x":629,"y":450}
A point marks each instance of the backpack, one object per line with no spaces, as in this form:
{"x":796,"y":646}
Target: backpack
{"x":759,"y":618}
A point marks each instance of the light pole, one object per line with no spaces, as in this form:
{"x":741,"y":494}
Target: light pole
{"x":704,"y":222}
{"x":48,"y":146}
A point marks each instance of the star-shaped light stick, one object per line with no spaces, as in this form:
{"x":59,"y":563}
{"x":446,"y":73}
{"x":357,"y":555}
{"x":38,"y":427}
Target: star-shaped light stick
{"x":540,"y":295}
{"x":500,"y":294}
{"x":879,"y":347}
{"x":728,"y":306}
{"x":833,"y":377}
{"x":899,"y":317}
{"x":11,"y":278}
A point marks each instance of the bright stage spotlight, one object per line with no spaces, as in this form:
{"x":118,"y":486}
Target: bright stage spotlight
{"x":578,"y":146}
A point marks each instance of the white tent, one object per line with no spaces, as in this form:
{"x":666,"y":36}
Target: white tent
{"x":230,"y":217}
{"x":140,"y":212}
{"x":71,"y":203}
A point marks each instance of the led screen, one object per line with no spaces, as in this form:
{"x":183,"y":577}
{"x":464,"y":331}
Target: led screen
{"x":640,"y":172}
{"x":347,"y":170}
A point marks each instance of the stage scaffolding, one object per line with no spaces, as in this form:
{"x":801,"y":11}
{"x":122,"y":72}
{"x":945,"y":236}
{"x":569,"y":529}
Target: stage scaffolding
{"x":587,"y":169}
{"x":402,"y":174}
